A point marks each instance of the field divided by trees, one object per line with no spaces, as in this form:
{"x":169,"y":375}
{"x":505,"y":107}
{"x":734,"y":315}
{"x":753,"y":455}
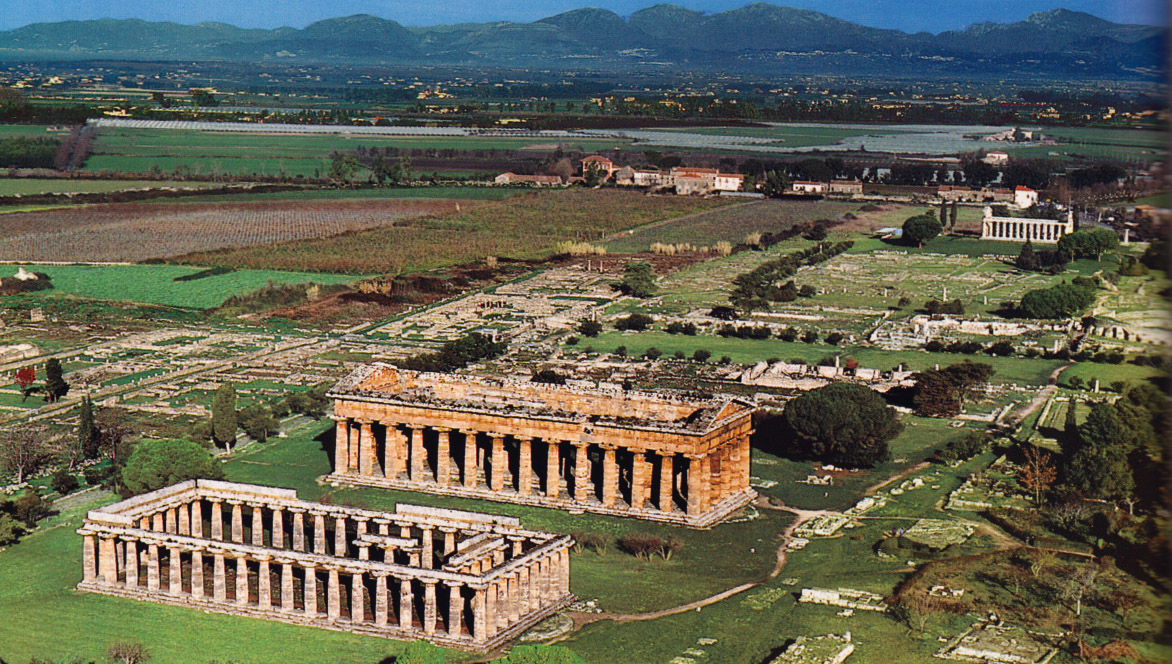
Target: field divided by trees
{"x":527,"y":226}
{"x":136,"y":232}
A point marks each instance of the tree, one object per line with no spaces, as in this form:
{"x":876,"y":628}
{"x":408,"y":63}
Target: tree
{"x":590,"y":328}
{"x":701,"y":355}
{"x":942,"y":392}
{"x":1089,"y":244}
{"x":1059,"y":301}
{"x":342,"y":169}
{"x":55,"y":385}
{"x":548,"y":377}
{"x":87,"y":433}
{"x":952,"y":216}
{"x":258,"y":422}
{"x":224,"y":415}
{"x":636,"y":322}
{"x":1037,"y":472}
{"x":23,"y":451}
{"x":128,"y":652}
{"x":914,"y":609}
{"x":64,"y":482}
{"x":921,"y":228}
{"x":155,"y":464}
{"x":843,"y":423}
{"x":25,"y":377}
{"x":638,"y":280}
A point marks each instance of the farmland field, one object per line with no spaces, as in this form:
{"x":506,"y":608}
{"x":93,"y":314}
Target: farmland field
{"x":129,"y":232}
{"x":27,"y":186}
{"x":730,"y":224}
{"x":155,"y":284}
{"x":167,"y":150}
{"x":526,"y":226}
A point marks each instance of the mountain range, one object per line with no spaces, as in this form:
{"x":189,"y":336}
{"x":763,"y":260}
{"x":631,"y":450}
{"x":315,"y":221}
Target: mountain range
{"x":760,"y":37}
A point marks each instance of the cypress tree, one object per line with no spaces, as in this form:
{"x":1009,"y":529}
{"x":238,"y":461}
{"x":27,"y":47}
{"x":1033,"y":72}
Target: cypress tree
{"x":944,"y":214}
{"x":55,"y":385}
{"x":224,"y":415}
{"x":87,"y":433}
{"x":952,"y":216}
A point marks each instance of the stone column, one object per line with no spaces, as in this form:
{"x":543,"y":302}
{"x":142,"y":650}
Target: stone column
{"x":443,"y":456}
{"x":264,"y":588}
{"x":107,"y":562}
{"x":428,"y":541}
{"x":499,"y":463}
{"x":287,"y":604}
{"x":610,"y":476}
{"x":237,"y":522}
{"x":219,"y":579}
{"x":242,"y":581}
{"x":418,"y":454}
{"x":153,"y":582}
{"x":455,"y":608}
{"x":666,"y":503}
{"x":514,"y":598}
{"x":197,"y":574}
{"x":553,"y":476}
{"x":525,"y":466}
{"x":581,"y":472}
{"x":278,"y":529}
{"x":131,"y":563}
{"x":298,"y":530}
{"x":639,"y":479}
{"x":169,"y":520}
{"x":341,"y":445}
{"x":429,"y":607}
{"x":319,"y":533}
{"x":406,"y":600}
{"x":258,"y":526}
{"x":471,"y":467}
{"x":197,"y":518}
{"x":158,"y":522}
{"x":449,"y":540}
{"x":184,"y":520}
{"x":479,"y":619}
{"x":366,"y":455}
{"x":89,"y":557}
{"x":217,"y":519}
{"x":309,"y":591}
{"x":698,"y":476}
{"x":357,"y":598}
{"x":175,"y":572}
{"x":522,"y":597}
{"x":380,"y":600}
{"x":491,"y":610}
{"x":340,"y":543}
{"x":564,"y":573}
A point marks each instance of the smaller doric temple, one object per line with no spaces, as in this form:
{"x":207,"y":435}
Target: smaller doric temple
{"x":1019,"y":229}
{"x":459,"y":579}
{"x":663,"y":456}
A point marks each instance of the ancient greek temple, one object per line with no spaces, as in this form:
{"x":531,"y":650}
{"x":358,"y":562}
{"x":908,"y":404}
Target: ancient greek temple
{"x":459,"y":579}
{"x":662,"y":456}
{"x":1018,"y":229}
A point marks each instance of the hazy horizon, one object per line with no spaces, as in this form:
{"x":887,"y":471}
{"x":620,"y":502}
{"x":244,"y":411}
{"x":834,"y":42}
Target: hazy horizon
{"x":905,"y":15}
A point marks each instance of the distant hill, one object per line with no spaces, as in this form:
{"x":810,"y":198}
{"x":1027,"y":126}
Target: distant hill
{"x":761,"y":37}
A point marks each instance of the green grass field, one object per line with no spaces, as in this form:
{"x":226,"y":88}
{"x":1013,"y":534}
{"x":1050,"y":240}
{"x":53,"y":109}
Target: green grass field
{"x":438,"y":192}
{"x":308,"y":155}
{"x":28,"y":186}
{"x":154,"y":284}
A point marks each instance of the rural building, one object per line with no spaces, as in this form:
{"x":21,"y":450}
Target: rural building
{"x":808,"y":187}
{"x":846,"y":187}
{"x":969,"y":195}
{"x":625,"y":176}
{"x":538,"y":180}
{"x":605,"y":166}
{"x":996,"y":158}
{"x":648,"y":178}
{"x":459,"y":579}
{"x":659,"y":456}
{"x":1024,"y":197}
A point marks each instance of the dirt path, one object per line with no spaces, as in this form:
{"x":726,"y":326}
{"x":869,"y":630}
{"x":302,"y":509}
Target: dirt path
{"x":1040,"y":398}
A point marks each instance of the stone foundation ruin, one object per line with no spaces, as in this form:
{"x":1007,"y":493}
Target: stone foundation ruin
{"x":458,"y":579}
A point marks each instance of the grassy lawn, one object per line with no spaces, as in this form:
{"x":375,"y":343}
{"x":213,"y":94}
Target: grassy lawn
{"x":27,"y":186}
{"x":155,"y":284}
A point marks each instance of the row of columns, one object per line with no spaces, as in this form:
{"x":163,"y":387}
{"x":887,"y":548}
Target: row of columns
{"x":1023,"y":230}
{"x":374,"y":597}
{"x":651,"y":479}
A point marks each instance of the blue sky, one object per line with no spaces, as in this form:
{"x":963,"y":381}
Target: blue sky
{"x":907,"y":15}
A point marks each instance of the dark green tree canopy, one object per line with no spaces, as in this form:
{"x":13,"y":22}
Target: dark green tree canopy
{"x":1060,"y":301}
{"x":638,"y":280}
{"x":1089,"y":244}
{"x":224,"y":414}
{"x":920,"y":229}
{"x":55,"y":385}
{"x":155,"y":464}
{"x":843,"y":423}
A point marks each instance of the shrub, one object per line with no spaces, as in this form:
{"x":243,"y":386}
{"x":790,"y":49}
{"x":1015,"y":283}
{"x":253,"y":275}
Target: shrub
{"x":548,"y":377}
{"x":31,"y":508}
{"x":1001,"y":348}
{"x":636,"y":322}
{"x":807,"y":291}
{"x":677,"y":327}
{"x":834,"y":338}
{"x":620,"y":351}
{"x":701,"y":355}
{"x":64,"y":482}
{"x":94,"y":475}
{"x":788,"y":334}
{"x":571,"y":341}
{"x":679,"y":355}
{"x":725,"y":359}
{"x":652,"y":353}
{"x":810,"y":336}
{"x":590,"y":328}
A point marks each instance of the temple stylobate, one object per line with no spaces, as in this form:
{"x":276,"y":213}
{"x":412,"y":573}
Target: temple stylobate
{"x":459,"y":579}
{"x":1019,"y":229}
{"x":661,"y":456}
